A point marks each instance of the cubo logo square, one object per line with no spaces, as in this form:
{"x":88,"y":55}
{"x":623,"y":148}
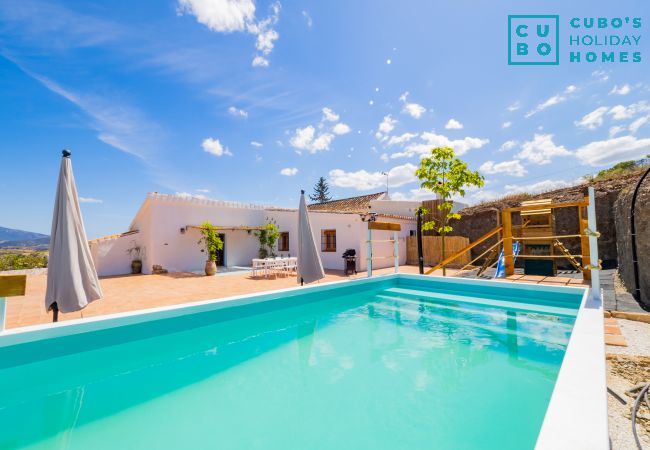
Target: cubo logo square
{"x":533,"y":39}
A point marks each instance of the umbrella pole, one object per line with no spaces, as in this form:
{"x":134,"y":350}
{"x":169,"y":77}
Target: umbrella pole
{"x":55,"y":312}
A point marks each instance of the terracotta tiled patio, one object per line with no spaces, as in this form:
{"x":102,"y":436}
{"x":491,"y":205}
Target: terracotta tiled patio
{"x":135,"y":292}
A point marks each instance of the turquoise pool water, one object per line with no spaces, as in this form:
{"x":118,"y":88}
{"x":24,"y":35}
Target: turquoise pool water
{"x":398,"y":364}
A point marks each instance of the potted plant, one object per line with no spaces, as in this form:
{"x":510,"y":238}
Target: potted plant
{"x":136,"y":253}
{"x":212,"y":243}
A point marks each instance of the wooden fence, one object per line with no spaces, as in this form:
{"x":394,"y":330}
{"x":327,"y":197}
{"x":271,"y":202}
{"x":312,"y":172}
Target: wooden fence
{"x":434,"y":215}
{"x":432,"y":250}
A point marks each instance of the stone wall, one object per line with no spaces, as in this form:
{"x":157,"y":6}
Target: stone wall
{"x":621,"y":212}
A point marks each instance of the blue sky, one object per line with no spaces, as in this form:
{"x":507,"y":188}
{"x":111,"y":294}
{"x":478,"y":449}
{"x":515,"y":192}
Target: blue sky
{"x":252,"y":101}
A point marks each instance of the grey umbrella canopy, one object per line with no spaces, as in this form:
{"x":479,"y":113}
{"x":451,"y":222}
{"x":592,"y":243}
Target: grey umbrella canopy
{"x":72,"y":280}
{"x":310,"y":267}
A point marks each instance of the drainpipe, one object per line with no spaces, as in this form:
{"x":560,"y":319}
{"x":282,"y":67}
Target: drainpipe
{"x":635,"y":263}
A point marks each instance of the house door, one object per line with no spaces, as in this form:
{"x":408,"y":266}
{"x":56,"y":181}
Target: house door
{"x":221,"y":254}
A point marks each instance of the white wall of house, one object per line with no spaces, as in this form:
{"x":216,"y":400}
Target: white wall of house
{"x":161,"y":218}
{"x":111,"y":255}
{"x":396,"y":207}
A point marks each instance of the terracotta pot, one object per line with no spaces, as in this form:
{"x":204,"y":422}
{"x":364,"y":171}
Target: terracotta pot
{"x":210,"y":268}
{"x":136,"y":267}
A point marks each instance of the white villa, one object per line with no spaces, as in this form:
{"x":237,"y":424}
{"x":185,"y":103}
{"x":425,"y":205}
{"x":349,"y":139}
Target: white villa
{"x":166,"y":227}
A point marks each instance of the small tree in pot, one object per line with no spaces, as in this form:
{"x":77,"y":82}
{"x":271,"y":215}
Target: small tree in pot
{"x":212,"y":243}
{"x":136,"y":253}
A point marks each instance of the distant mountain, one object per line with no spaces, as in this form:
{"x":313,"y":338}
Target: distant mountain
{"x":23,"y":239}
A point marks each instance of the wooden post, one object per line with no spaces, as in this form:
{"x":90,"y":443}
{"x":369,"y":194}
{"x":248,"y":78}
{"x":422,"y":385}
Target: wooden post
{"x":396,"y":251}
{"x":369,"y":250}
{"x":10,"y":286}
{"x":508,"y":258}
{"x":584,"y":243}
{"x":593,"y":244}
{"x":418,"y":234}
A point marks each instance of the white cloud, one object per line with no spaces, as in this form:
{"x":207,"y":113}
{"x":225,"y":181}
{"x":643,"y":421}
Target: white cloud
{"x":256,"y":144}
{"x":638,"y":123}
{"x":385,"y":127}
{"x":592,"y":120}
{"x":266,"y":41}
{"x":514,"y":106}
{"x":541,"y":149}
{"x":307,"y":17}
{"x":222,"y":16}
{"x":613,"y":131}
{"x":260,"y":61}
{"x":228,"y":16}
{"x":190,"y":195}
{"x":341,"y":128}
{"x":401,"y":139}
{"x":214,"y":147}
{"x":620,"y":112}
{"x":413,"y":109}
{"x":508,"y":145}
{"x":384,"y":157}
{"x":90,"y":200}
{"x":600,"y":74}
{"x":513,"y":168}
{"x":610,"y":151}
{"x":623,"y":90}
{"x":203,"y":191}
{"x":117,"y":124}
{"x":453,"y":124}
{"x":307,"y":139}
{"x":289,"y":171}
{"x":431,"y":140}
{"x":417,"y":194}
{"x":237,"y":112}
{"x":552,"y":101}
{"x":329,"y":115}
{"x":506,"y":125}
{"x":363,"y":180}
{"x":535,"y":188}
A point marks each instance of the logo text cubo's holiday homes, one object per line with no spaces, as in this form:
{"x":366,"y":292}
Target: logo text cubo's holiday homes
{"x":536,"y":40}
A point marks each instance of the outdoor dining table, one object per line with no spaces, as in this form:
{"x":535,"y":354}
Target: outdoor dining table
{"x":279,"y":265}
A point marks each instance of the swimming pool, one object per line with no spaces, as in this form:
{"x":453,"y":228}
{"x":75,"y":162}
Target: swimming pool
{"x":391,"y":362}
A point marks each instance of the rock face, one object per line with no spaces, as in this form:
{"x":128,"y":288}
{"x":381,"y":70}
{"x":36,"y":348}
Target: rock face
{"x":478,"y":220}
{"x":622,"y":210}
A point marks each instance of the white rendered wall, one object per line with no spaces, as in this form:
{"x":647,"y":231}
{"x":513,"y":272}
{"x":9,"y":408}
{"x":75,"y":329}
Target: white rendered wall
{"x":396,"y":207}
{"x":178,"y":252}
{"x":111,"y":257}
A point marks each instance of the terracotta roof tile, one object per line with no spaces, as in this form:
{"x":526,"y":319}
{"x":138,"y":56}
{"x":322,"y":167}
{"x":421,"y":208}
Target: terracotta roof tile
{"x":360,"y":204}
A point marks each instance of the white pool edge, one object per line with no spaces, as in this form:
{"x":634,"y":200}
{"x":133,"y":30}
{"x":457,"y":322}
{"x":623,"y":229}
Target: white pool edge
{"x":576,"y":418}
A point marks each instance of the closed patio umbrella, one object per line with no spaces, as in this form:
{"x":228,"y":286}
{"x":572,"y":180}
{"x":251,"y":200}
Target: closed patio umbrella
{"x":72,"y":280}
{"x":310,"y":267}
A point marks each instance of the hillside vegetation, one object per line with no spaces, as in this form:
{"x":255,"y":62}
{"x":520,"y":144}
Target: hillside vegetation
{"x":16,"y":259}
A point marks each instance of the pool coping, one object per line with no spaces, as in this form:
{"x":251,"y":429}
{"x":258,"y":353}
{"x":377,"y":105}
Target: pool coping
{"x":576,"y":417}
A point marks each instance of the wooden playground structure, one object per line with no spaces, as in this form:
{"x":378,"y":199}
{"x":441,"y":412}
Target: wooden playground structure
{"x":535,"y":241}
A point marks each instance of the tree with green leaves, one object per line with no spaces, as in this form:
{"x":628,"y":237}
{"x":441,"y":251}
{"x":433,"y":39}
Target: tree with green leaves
{"x":446,"y":176}
{"x":268,"y":236}
{"x":210,"y":240}
{"x":321,"y":192}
